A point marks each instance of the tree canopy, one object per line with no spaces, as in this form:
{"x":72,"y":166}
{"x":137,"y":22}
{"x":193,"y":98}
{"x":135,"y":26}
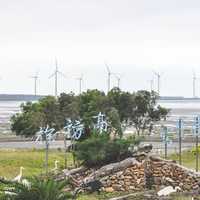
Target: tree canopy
{"x":139,"y":108}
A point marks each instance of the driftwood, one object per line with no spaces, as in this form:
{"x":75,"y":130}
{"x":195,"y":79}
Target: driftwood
{"x":111,"y":168}
{"x":74,"y":171}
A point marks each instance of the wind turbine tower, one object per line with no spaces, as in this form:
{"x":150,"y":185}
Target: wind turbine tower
{"x":55,"y":74}
{"x":35,"y":77}
{"x":118,"y":77}
{"x":158,"y":82}
{"x":109,"y":76}
{"x":80,"y":79}
{"x":194,"y":84}
{"x":151,"y":85}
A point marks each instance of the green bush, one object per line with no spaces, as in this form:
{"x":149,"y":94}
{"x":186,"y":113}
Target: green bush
{"x":38,"y":189}
{"x":194,"y":150}
{"x":99,"y":150}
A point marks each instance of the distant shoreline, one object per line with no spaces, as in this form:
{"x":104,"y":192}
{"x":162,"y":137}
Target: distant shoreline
{"x":20,"y":97}
{"x":30,"y":97}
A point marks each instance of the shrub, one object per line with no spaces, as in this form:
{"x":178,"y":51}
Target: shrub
{"x":194,"y":151}
{"x":39,"y":189}
{"x":99,"y":150}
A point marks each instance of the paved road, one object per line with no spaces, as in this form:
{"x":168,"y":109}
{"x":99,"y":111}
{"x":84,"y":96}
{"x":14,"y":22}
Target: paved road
{"x":158,"y":147}
{"x":30,"y":145}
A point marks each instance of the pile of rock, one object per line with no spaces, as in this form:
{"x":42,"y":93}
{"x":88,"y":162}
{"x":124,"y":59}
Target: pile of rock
{"x":169,"y":173}
{"x":130,"y":179}
{"x":134,"y":174}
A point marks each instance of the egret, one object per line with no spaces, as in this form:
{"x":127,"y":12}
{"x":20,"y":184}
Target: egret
{"x":26,"y":183}
{"x":19,"y":177}
{"x":55,"y":169}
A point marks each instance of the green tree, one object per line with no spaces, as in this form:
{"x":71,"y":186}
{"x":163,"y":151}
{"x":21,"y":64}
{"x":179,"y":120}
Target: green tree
{"x":145,"y":111}
{"x":35,"y":115}
{"x":91,"y":103}
{"x":121,"y":101}
{"x":114,"y":120}
{"x":69,"y":106}
{"x":99,"y":149}
{"x":49,"y":106}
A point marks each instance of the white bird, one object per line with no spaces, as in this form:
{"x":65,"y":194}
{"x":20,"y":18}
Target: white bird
{"x":10,"y":193}
{"x":168,"y":190}
{"x":56,"y":166}
{"x":26,"y":183}
{"x":19,"y":177}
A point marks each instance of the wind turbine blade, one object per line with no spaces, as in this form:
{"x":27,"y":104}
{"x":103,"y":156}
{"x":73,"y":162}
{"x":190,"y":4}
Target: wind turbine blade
{"x":37,"y":74}
{"x":52,"y":75}
{"x":62,"y":74}
{"x":107,"y":67}
{"x":155,"y":72}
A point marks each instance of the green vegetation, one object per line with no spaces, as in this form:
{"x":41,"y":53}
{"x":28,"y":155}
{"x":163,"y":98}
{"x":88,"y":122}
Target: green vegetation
{"x":36,"y":189}
{"x":188,"y":159}
{"x":31,"y":160}
{"x":99,"y":149}
{"x":138,"y":108}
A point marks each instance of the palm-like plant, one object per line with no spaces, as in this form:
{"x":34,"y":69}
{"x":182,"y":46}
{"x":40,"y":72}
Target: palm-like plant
{"x":40,"y":189}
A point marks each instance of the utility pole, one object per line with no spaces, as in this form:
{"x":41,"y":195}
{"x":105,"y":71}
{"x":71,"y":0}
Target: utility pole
{"x":197,"y":123}
{"x":180,"y":127}
{"x":166,"y":140}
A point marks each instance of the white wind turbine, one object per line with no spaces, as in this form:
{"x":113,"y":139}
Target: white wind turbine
{"x":35,"y":77}
{"x":158,"y":75}
{"x":55,"y":74}
{"x":194,"y":78}
{"x":151,"y":82}
{"x":118,"y":77}
{"x":80,"y":81}
{"x":109,"y":76}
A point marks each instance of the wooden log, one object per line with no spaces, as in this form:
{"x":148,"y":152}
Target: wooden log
{"x":112,"y":168}
{"x":74,"y":171}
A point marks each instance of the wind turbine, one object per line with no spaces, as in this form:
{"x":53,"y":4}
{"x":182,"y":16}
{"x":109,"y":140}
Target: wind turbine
{"x":158,"y":75}
{"x":80,"y":80}
{"x":55,"y":74}
{"x":118,"y":77}
{"x":194,"y":78}
{"x":109,"y":75}
{"x":151,"y":82}
{"x":35,"y":77}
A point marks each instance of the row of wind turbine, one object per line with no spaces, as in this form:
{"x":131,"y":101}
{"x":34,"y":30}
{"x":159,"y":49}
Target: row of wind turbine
{"x":55,"y":75}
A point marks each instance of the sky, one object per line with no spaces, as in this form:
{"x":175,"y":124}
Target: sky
{"x":134,"y":37}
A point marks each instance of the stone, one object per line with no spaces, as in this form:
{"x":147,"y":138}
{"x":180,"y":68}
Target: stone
{"x":109,"y":190}
{"x":117,"y":187}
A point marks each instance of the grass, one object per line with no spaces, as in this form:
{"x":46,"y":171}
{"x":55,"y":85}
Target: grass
{"x":101,"y":196}
{"x":188,"y":159}
{"x":107,"y":196}
{"x":31,"y":160}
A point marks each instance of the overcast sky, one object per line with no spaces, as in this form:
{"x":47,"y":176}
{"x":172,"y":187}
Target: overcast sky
{"x":133,"y":36}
